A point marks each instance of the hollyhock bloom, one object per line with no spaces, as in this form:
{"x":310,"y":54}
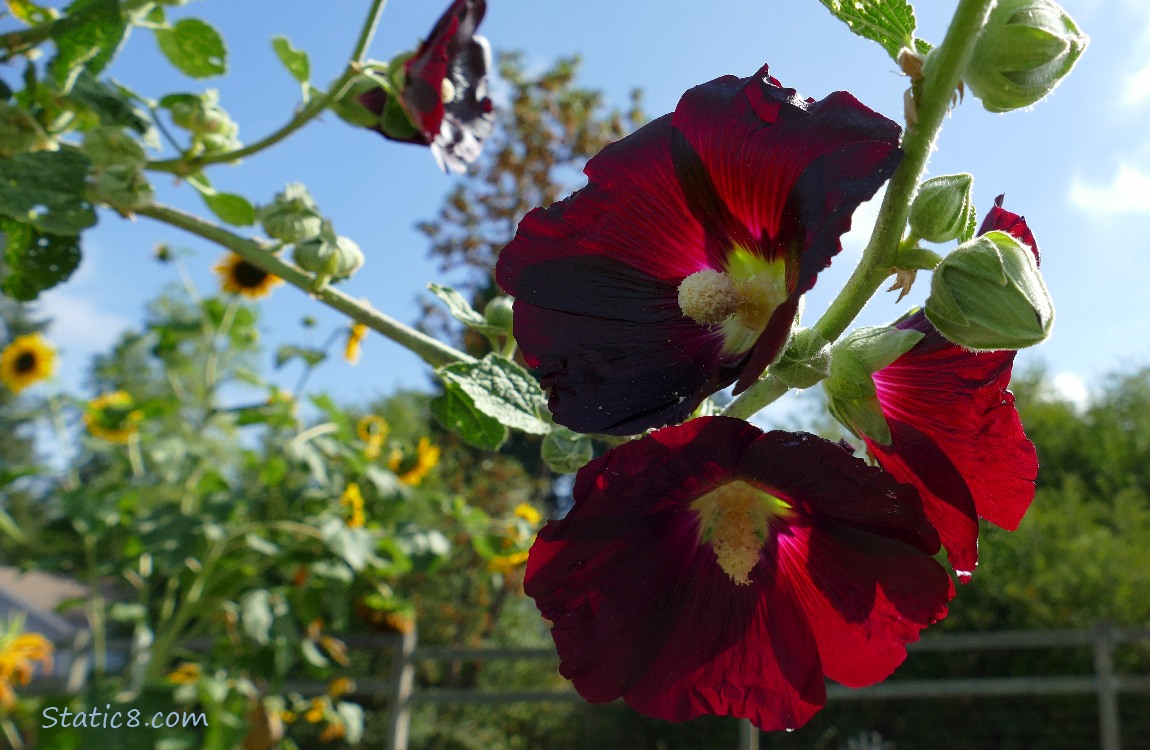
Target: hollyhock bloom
{"x":955,"y":432}
{"x":678,"y":269}
{"x":445,"y":89}
{"x":709,"y":568}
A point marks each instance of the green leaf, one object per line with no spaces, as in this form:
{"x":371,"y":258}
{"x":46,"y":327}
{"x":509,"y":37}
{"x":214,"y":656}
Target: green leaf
{"x":194,"y":47}
{"x":231,"y":208}
{"x":288,"y":352}
{"x":88,"y":38}
{"x":502,"y":390}
{"x":354,"y":546}
{"x":36,"y":261}
{"x":46,"y":189}
{"x":462,"y":310}
{"x":112,"y":103}
{"x":256,"y":615}
{"x":31,"y":13}
{"x":295,"y":60}
{"x":891,"y":23}
{"x":456,"y":411}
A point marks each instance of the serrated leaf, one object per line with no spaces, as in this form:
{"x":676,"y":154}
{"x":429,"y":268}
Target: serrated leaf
{"x":88,"y":37}
{"x":456,"y":411}
{"x":194,"y":47}
{"x":502,"y":390}
{"x":295,"y":60}
{"x":112,"y":103}
{"x":46,"y":189}
{"x":462,"y":310}
{"x":891,"y":23}
{"x":36,"y":261}
{"x":231,"y":208}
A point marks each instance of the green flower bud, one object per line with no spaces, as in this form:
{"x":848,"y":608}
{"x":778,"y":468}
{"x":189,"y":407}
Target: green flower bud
{"x":806,"y":360}
{"x":499,"y":312}
{"x":293,"y":216}
{"x":351,"y":109}
{"x":327,"y":255}
{"x":202,"y":114}
{"x":942,"y":211}
{"x":19,"y":131}
{"x":565,"y":451}
{"x":122,"y":188}
{"x":1025,"y":50}
{"x":988,"y":295}
{"x":113,"y":148}
{"x":851,"y":394}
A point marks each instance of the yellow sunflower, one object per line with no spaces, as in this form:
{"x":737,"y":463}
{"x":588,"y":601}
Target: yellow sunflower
{"x":113,"y":417}
{"x":528,"y":513}
{"x":426,"y":459}
{"x":352,"y":499}
{"x":372,"y":430}
{"x":188,"y":673}
{"x":25,"y":361}
{"x":240,"y":277}
{"x":355,"y":337}
{"x":18,"y":654}
{"x":506,"y":564}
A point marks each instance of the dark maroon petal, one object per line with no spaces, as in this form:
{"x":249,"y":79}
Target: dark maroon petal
{"x":956,"y":436}
{"x":641,"y":609}
{"x":998,"y":218}
{"x":865,"y":597}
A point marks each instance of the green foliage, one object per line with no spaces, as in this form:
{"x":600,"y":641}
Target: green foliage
{"x":295,"y":61}
{"x":502,"y":390}
{"x":87,"y":38}
{"x":35,"y":261}
{"x":891,"y":23}
{"x":46,"y":190}
{"x":194,"y":47}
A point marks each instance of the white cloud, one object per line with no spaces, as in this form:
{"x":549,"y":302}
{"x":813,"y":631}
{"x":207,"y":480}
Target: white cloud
{"x":1072,"y":387}
{"x":79,"y":327}
{"x":1128,"y":192}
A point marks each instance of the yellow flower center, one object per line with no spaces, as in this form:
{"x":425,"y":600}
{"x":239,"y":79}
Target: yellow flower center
{"x":740,"y":299}
{"x":735,"y":519}
{"x":447,"y":91}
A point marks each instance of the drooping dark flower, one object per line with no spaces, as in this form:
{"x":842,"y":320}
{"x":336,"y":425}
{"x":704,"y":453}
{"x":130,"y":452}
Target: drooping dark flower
{"x":444,"y":90}
{"x":955,"y":432}
{"x":709,"y":568}
{"x":678,"y":269}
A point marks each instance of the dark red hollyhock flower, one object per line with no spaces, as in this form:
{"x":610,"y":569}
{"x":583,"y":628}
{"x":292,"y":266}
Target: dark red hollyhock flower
{"x":955,"y":432}
{"x":709,"y":568}
{"x":445,"y":93}
{"x":678,"y":269}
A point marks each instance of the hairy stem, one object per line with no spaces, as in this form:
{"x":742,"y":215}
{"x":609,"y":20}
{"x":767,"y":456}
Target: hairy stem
{"x":431,"y":350}
{"x":941,"y":79}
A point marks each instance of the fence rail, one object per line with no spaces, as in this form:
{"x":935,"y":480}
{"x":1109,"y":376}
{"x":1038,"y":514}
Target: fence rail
{"x":400,"y":692}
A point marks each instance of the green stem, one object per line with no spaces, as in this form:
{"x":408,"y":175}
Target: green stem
{"x":431,"y":350}
{"x":941,"y":78}
{"x":764,"y":391}
{"x":185,"y":166}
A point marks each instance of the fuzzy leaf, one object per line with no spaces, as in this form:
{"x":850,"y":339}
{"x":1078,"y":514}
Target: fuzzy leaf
{"x":194,"y":47}
{"x":891,"y":23}
{"x":88,"y":38}
{"x":36,"y":261}
{"x":502,"y":390}
{"x":295,"y":60}
{"x":46,"y":190}
{"x":456,"y":411}
{"x":462,"y":310}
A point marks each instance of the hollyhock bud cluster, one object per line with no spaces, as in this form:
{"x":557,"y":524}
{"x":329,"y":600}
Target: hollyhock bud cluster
{"x":708,"y":567}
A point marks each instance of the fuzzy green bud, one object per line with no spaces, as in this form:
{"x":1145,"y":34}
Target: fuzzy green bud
{"x":327,"y":255}
{"x":988,"y":295}
{"x":113,"y":148}
{"x":350,"y":109}
{"x":19,"y":131}
{"x":565,"y":451}
{"x":806,"y":360}
{"x":942,"y":210}
{"x":1025,"y":50}
{"x":500,"y":312}
{"x":292,"y":217}
{"x":122,"y":188}
{"x":851,"y":394}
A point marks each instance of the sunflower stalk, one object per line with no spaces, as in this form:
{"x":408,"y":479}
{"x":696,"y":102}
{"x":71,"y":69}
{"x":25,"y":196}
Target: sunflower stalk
{"x":933,"y":102}
{"x":431,"y":350}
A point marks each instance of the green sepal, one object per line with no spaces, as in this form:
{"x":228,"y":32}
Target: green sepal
{"x":805,"y":361}
{"x":565,"y":451}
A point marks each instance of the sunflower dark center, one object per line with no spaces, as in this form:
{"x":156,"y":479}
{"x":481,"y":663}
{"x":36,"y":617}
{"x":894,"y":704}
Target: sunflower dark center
{"x":248,"y":276}
{"x":25,"y":363}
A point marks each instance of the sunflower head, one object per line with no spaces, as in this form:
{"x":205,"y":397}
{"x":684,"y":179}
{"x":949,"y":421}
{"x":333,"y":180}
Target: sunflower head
{"x":25,"y":361}
{"x":113,"y":417}
{"x":238,"y":276}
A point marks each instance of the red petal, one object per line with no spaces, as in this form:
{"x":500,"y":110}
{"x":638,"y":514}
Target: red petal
{"x":998,"y":218}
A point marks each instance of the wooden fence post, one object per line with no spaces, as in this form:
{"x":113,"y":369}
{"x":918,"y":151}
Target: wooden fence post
{"x":1111,"y":735}
{"x":402,"y":686}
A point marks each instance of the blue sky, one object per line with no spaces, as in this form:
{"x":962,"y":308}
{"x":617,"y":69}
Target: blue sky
{"x":1077,"y":165}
